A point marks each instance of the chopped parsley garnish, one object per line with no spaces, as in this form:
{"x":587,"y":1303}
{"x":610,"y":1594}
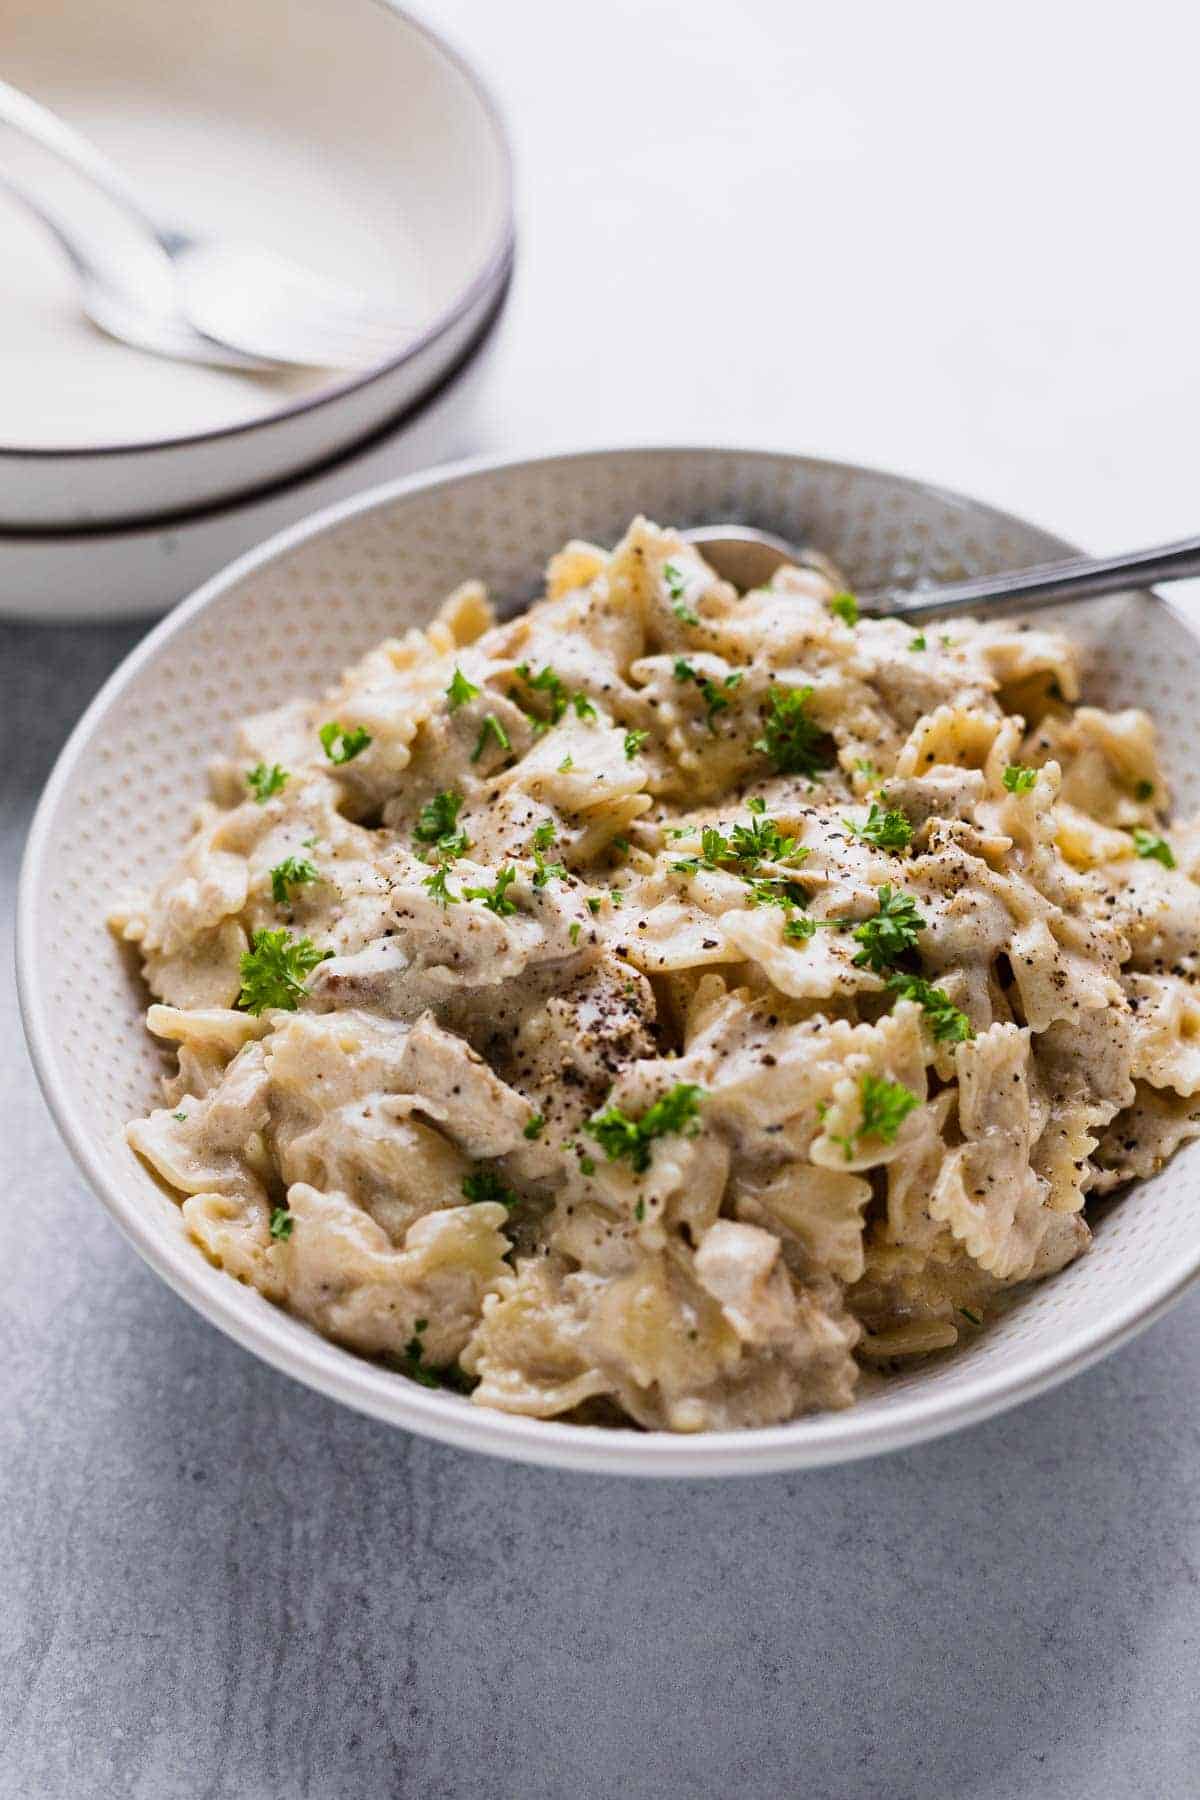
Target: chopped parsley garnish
{"x":771,"y":890}
{"x":587,"y":1165}
{"x":282,"y":1223}
{"x":583,"y":707}
{"x":491,"y":727}
{"x":544,"y":871}
{"x":945,"y":1021}
{"x":180,"y":1116}
{"x":264,"y":782}
{"x":1149,"y":844}
{"x":715,"y":694}
{"x":800,"y":927}
{"x":620,"y":1136}
{"x":845,"y":605}
{"x":496,"y":898}
{"x":293,"y":871}
{"x":1019,"y":779}
{"x":534,"y":1127}
{"x":342,"y":743}
{"x":676,"y":582}
{"x":919,"y":642}
{"x":946,"y":641}
{"x":485,"y":1184}
{"x":274,"y":968}
{"x":639,"y":1211}
{"x":1144,"y":790}
{"x":794,"y":742}
{"x":762,"y":840}
{"x":460,"y":690}
{"x":887,"y":830}
{"x":574,"y":930}
{"x":547,"y":681}
{"x":567,"y":764}
{"x":633,"y":743}
{"x":866,"y":769}
{"x":890,"y":934}
{"x":438,"y":889}
{"x":593,"y":904}
{"x":885,"y":1106}
{"x":544,"y":835}
{"x":438,"y":818}
{"x":412,"y":1363}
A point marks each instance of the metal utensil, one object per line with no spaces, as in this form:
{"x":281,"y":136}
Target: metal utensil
{"x":748,"y":557}
{"x":237,"y":297}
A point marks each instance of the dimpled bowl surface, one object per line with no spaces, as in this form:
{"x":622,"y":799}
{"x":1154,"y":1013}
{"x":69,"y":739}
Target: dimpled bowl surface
{"x":285,"y":620}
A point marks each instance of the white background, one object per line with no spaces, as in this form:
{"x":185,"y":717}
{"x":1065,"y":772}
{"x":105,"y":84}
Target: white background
{"x":953,"y":239}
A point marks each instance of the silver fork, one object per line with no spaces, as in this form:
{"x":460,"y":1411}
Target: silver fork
{"x":226,"y":296}
{"x":748,"y":558}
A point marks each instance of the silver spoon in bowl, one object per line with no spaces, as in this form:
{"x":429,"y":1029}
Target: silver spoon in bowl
{"x":748,"y":558}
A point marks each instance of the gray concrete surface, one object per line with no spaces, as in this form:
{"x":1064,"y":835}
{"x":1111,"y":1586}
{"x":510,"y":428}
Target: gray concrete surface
{"x":214,"y":1583}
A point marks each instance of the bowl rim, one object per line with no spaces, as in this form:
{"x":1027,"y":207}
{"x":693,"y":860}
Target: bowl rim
{"x":299,"y":1351}
{"x":490,"y":273}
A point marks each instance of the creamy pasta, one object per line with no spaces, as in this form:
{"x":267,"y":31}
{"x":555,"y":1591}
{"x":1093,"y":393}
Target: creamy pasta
{"x":658,"y":1007}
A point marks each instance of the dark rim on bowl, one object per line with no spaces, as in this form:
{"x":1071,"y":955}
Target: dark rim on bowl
{"x":409,"y":415}
{"x":494,"y":272}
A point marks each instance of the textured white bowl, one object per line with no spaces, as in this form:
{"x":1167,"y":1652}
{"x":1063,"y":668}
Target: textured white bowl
{"x":285,"y":619}
{"x":339,"y":133}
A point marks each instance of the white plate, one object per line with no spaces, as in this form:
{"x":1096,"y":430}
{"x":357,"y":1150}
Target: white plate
{"x":141,"y":571}
{"x":338,"y":132}
{"x":284,"y":620}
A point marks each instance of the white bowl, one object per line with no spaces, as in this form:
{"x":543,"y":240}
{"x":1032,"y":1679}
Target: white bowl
{"x":139,"y":571}
{"x":285,"y":619}
{"x":340,"y":133}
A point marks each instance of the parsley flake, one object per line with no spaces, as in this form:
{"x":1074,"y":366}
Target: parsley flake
{"x":620,"y":1136}
{"x":341,"y":743}
{"x":485,"y":1184}
{"x":180,"y":1116}
{"x":890,"y":934}
{"x":496,"y":898}
{"x":947,"y":1024}
{"x":794,"y":742}
{"x":534,"y":1127}
{"x":845,"y":606}
{"x":1149,"y":844}
{"x":676,"y":582}
{"x":584,"y":708}
{"x":274,"y":968}
{"x":544,"y":835}
{"x":282,"y":1223}
{"x":293,"y":871}
{"x":438,"y":889}
{"x":633,"y":743}
{"x":1144,"y":790}
{"x":574,"y":930}
{"x":885,"y":1106}
{"x":887,"y":830}
{"x":919,"y":642}
{"x":264,"y":782}
{"x":438,"y":818}
{"x":544,"y":871}
{"x":1019,"y":779}
{"x":460,"y":690}
{"x":491,"y":727}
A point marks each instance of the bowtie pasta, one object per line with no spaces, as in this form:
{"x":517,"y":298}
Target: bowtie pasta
{"x":660,"y":1006}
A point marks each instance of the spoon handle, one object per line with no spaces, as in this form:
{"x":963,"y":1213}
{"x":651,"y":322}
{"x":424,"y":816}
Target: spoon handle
{"x":1047,"y":584}
{"x":37,"y":124}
